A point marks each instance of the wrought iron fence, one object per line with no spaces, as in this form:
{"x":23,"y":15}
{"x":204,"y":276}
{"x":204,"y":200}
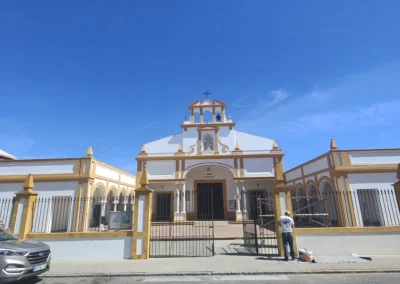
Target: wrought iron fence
{"x":363,"y":207}
{"x":181,"y":227}
{"x":67,"y":214}
{"x":6,"y":210}
{"x":260,"y":232}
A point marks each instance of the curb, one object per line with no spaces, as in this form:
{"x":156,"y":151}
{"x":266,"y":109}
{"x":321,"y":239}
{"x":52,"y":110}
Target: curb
{"x":144,"y":274}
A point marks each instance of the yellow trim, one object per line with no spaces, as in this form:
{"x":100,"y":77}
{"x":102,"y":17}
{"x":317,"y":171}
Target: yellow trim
{"x":342,"y":204}
{"x":99,"y":184}
{"x":241,"y":167}
{"x":211,"y":157}
{"x":78,"y":235}
{"x":176,"y":169}
{"x":77,"y":207}
{"x":183,"y":169}
{"x":86,"y":206}
{"x":351,"y":204}
{"x":235,"y":166}
{"x":344,"y":230}
{"x":366,"y":169}
{"x":45,"y":178}
{"x":278,"y":213}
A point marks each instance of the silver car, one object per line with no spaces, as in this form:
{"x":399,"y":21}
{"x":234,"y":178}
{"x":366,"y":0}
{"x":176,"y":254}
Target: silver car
{"x":21,"y":259}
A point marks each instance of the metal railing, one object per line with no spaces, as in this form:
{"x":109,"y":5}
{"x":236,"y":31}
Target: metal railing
{"x":67,"y":214}
{"x":360,"y":208}
{"x":6,"y":210}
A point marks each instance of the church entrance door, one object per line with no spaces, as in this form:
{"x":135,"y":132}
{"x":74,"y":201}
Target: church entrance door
{"x":210,"y":201}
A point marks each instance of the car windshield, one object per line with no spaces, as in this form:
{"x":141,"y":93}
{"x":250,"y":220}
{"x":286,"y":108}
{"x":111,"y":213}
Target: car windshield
{"x":6,"y":235}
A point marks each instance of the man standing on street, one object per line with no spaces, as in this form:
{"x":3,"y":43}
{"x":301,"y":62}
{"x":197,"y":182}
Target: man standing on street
{"x":287,"y":225}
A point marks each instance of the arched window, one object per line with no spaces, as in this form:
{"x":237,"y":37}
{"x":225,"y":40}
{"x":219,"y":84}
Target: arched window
{"x":208,"y":142}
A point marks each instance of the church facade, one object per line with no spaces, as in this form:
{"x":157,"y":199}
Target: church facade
{"x":208,"y":160}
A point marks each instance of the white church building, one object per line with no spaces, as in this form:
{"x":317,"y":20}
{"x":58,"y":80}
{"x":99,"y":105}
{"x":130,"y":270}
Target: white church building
{"x":203,"y":170}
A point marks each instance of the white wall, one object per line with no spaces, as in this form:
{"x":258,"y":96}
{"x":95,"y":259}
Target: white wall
{"x":375,"y":158}
{"x":293,"y":174}
{"x":128,"y":179}
{"x":34,"y":168}
{"x":161,"y":169}
{"x":340,"y":244}
{"x":202,"y":162}
{"x":226,"y":137}
{"x":258,"y":167}
{"x":107,"y":172}
{"x":315,"y":166}
{"x":382,"y":182}
{"x":86,"y":249}
{"x":190,"y":137}
{"x":374,"y":181}
{"x":45,"y":189}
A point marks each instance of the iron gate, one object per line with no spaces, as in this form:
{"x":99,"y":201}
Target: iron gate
{"x":193,"y":237}
{"x":259,"y":231}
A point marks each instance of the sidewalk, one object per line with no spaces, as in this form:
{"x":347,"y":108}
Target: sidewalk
{"x":222,"y":265}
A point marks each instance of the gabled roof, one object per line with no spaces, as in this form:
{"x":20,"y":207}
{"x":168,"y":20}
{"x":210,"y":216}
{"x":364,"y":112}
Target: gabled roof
{"x":6,"y":155}
{"x":166,"y":145}
{"x":249,"y":142}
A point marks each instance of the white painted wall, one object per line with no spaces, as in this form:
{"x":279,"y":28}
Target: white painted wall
{"x":128,"y":179}
{"x":377,"y":180}
{"x":107,"y":172}
{"x":375,"y":158}
{"x":293,"y":174}
{"x":315,"y":166}
{"x":258,"y":167}
{"x":161,"y":169}
{"x":190,"y":137}
{"x":344,"y":244}
{"x":86,"y":249}
{"x":194,"y":163}
{"x":45,"y":167}
{"x":226,"y":137}
{"x":382,"y":182}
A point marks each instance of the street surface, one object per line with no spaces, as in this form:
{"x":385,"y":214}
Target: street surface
{"x":243,"y":279}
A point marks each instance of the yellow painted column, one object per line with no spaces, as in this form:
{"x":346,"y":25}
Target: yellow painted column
{"x":24,"y":209}
{"x":86,"y":206}
{"x":142,"y":219}
{"x":77,"y":207}
{"x":342,"y":203}
{"x":282,"y":203}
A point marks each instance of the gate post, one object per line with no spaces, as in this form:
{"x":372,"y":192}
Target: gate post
{"x":282,"y":203}
{"x":142,"y":219}
{"x":24,"y":208}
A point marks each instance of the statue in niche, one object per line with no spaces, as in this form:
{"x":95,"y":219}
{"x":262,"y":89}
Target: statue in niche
{"x":208,"y":142}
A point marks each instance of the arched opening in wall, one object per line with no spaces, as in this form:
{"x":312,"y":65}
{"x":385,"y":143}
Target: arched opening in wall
{"x":131,"y":201}
{"x":112,"y":202}
{"x":97,"y":208}
{"x":208,"y":142}
{"x":218,"y":116}
{"x":302,"y":210}
{"x":294,"y":200}
{"x":122,"y":203}
{"x":210,"y":193}
{"x":207,"y":117}
{"x":318,"y":215}
{"x":330,"y":202}
{"x":196,"y":117}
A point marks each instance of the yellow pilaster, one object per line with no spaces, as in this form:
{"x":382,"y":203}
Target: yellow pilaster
{"x":142,"y":219}
{"x":86,"y":205}
{"x":281,"y":204}
{"x":342,"y":203}
{"x":77,"y":207}
{"x":28,"y":197}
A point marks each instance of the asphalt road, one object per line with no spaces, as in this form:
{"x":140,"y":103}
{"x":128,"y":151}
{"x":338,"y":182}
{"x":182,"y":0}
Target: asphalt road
{"x":281,"y":279}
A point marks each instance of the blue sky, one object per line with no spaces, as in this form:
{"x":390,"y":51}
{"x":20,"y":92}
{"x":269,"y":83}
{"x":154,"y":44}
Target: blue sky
{"x":117,"y":74}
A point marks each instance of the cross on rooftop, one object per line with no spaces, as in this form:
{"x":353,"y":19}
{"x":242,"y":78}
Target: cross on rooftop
{"x":206,"y":93}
